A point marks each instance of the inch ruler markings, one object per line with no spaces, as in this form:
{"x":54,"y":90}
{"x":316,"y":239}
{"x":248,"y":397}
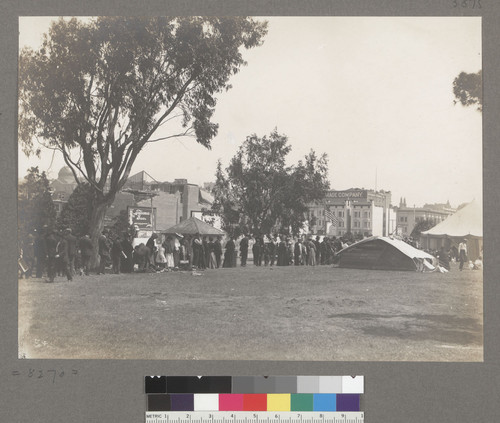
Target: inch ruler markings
{"x":254,"y":417}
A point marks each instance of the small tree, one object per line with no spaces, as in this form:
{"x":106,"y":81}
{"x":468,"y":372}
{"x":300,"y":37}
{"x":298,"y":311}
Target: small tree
{"x":76,"y":213}
{"x":421,"y":226}
{"x":468,"y":89}
{"x":261,"y":193}
{"x":35,"y":206}
{"x":122,"y":226}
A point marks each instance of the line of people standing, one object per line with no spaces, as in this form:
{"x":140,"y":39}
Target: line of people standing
{"x":207,"y":252}
{"x":284,"y":251}
{"x":180,"y":252}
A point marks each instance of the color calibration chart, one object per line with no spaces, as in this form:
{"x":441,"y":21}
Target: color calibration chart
{"x":254,"y":399}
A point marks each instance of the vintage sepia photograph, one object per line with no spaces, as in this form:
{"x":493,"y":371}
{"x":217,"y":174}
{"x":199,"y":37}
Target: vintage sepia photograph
{"x":250,"y":188}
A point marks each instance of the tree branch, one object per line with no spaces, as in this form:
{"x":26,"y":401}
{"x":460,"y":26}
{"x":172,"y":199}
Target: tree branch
{"x":187,"y":132}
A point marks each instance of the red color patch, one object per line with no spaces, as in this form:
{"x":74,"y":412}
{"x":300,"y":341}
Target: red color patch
{"x":255,"y":402}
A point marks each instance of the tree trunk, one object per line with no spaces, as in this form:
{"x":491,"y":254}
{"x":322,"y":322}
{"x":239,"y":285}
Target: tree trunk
{"x":95,"y":227}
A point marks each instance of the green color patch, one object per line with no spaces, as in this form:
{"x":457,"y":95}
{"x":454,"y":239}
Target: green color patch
{"x":301,"y":402}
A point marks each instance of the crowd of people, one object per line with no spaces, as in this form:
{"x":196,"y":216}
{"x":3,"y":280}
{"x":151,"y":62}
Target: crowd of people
{"x":49,"y":253}
{"x":52,"y":253}
{"x":202,"y":252}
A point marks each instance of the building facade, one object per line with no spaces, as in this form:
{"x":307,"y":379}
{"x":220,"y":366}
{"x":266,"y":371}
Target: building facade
{"x":408,"y":217}
{"x":171,"y":202}
{"x":358,"y":211}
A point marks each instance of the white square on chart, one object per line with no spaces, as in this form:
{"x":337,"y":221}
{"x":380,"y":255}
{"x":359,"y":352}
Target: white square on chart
{"x":353,"y":385}
{"x":206,"y":402}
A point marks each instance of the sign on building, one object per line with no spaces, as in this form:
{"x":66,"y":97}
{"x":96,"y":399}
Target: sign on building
{"x":348,"y":194}
{"x":143,"y":218}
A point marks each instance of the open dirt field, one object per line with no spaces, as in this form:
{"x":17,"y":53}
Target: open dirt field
{"x":256,"y":313}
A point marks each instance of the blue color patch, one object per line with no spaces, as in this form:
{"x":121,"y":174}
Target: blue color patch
{"x":325,"y":402}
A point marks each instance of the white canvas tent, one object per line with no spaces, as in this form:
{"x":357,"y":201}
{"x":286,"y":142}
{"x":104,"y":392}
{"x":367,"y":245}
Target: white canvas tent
{"x":466,"y":223}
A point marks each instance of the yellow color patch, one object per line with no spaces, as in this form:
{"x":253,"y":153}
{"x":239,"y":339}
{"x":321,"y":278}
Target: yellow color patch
{"x":278,"y":402}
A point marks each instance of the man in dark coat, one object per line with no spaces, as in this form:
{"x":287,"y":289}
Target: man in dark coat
{"x":229,"y":254}
{"x":444,"y":258}
{"x":206,"y":251}
{"x":265,"y":252}
{"x":128,"y":261}
{"x":317,"y":246}
{"x":86,"y":250}
{"x":218,"y":251}
{"x":116,"y":254}
{"x":62,"y":252}
{"x":282,"y":253}
{"x":103,"y":252}
{"x":323,"y":249}
{"x":72,"y":248}
{"x":297,"y":253}
{"x":256,"y":250}
{"x":271,"y":247}
{"x":198,"y":253}
{"x":244,"y":251}
{"x":151,"y":244}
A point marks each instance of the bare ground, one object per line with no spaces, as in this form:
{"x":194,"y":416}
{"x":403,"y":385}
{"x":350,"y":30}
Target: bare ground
{"x":281,"y":313}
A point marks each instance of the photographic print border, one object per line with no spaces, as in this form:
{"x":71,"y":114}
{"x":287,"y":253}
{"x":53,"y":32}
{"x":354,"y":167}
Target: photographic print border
{"x":112,"y":390}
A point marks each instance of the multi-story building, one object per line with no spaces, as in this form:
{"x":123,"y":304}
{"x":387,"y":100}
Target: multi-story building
{"x":169,"y":202}
{"x":359,"y":211}
{"x":408,"y":217}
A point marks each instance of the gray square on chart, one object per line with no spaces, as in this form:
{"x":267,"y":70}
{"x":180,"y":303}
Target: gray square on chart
{"x":243,"y":385}
{"x":330,"y":384}
{"x":264,"y":385}
{"x":308,"y":384}
{"x":286,"y":384}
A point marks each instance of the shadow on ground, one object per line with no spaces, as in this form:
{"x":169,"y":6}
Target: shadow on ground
{"x":443,"y":328}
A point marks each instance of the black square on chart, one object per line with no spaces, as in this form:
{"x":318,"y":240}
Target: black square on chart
{"x":155,"y":384}
{"x":159,"y":402}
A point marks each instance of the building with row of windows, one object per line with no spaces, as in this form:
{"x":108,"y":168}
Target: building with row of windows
{"x":168,"y":202}
{"x":369,"y":212}
{"x":408,"y":217}
{"x":359,"y":211}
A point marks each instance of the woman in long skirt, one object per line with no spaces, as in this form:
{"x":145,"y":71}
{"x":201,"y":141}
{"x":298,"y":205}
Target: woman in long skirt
{"x":169,"y":252}
{"x":211,"y":262}
{"x":161,"y":260}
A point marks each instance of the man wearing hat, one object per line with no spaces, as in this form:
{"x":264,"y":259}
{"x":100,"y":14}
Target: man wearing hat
{"x":462,"y":253}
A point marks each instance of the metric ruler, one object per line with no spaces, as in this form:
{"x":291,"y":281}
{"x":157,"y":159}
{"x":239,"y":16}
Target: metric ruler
{"x":254,"y":417}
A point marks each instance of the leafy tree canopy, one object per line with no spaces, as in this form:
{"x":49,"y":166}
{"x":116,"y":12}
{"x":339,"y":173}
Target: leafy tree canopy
{"x":98,"y":91}
{"x":260,"y":193}
{"x":468,"y":89}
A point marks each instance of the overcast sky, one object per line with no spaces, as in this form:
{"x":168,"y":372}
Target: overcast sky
{"x":375,"y":94}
